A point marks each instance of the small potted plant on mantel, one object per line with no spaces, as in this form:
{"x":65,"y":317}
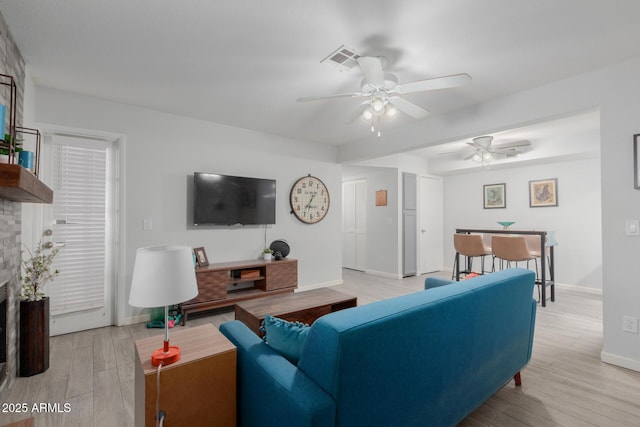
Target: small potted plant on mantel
{"x":4,"y":150}
{"x":34,"y":306}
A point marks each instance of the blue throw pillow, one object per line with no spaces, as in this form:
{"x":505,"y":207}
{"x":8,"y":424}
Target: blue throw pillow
{"x":287,"y":338}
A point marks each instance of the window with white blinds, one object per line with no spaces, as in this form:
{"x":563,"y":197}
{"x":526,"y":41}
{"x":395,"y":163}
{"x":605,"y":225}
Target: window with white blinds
{"x":79,"y":181}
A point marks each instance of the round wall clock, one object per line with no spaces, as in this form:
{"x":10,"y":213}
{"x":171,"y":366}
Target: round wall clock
{"x":309,"y":199}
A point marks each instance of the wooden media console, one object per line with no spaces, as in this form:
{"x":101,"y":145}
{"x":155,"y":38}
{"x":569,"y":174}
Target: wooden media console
{"x":224,"y":284}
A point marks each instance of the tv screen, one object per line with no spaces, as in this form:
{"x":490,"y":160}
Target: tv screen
{"x":230,"y":200}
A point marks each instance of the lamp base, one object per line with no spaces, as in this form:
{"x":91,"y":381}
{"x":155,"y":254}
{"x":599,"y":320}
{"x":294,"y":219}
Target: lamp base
{"x":171,"y":355}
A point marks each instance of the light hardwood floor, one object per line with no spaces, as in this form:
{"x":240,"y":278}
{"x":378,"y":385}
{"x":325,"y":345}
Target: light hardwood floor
{"x":564,"y":384}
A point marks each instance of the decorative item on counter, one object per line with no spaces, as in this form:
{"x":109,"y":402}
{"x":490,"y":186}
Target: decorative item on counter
{"x":281,"y":247}
{"x":267,"y":254}
{"x":201,"y":257}
{"x":5,"y":150}
{"x":506,"y":224}
{"x":37,"y":268}
{"x":26,"y":159}
{"x":3,"y":112}
{"x":34,"y":306}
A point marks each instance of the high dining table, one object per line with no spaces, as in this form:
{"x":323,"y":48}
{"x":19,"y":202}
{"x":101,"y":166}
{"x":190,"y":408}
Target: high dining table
{"x":543,"y":245}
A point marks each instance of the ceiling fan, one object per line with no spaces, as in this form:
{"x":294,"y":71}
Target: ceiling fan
{"x":383,"y":93}
{"x":485,"y":153}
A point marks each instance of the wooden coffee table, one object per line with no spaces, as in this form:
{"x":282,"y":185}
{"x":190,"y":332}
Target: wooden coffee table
{"x":303,"y":307}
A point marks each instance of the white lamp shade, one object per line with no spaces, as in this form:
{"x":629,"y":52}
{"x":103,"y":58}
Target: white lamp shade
{"x":163,"y":275}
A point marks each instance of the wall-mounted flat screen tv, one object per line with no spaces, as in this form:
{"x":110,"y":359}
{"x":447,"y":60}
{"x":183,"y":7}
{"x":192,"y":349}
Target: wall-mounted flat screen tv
{"x":231,"y":200}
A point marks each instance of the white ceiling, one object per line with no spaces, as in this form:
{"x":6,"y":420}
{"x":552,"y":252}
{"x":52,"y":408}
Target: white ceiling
{"x":244,"y":63}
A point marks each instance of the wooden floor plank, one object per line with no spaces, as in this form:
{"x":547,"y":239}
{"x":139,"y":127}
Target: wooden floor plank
{"x":80,"y":412}
{"x":104,"y":355}
{"x":81,"y":372}
{"x":108,"y":404}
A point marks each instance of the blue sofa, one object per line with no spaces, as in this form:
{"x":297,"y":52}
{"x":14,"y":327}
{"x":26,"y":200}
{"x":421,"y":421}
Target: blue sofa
{"x":424,"y":359}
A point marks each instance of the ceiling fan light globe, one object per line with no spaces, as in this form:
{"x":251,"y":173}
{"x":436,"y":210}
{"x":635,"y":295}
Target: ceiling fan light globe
{"x":377,"y":105}
{"x":367,"y":114}
{"x":487,"y":157}
{"x":477,"y":157}
{"x":390,"y":110}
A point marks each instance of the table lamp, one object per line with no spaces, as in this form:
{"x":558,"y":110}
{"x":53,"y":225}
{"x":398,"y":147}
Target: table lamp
{"x":163,"y":276}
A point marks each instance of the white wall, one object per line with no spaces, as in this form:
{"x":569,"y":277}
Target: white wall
{"x":576,"y":220}
{"x":161,"y":153}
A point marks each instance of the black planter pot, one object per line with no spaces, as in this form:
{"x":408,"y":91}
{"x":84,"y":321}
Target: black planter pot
{"x":34,"y":337}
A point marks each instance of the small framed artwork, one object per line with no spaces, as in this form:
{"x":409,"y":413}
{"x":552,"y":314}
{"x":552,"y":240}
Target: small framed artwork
{"x":201,"y":257}
{"x":636,"y":161}
{"x":543,"y":193}
{"x":381,"y":198}
{"x":495,"y":196}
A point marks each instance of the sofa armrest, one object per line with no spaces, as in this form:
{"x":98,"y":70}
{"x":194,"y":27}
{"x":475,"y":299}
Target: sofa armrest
{"x":271,"y":389}
{"x":434,"y":282}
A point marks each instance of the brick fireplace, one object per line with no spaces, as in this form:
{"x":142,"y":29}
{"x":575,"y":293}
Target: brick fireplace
{"x":11,"y":63}
{"x":10,"y":243}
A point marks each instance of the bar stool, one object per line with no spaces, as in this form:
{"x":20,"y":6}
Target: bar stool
{"x":533,"y":242}
{"x":514,"y":248}
{"x":469,"y":246}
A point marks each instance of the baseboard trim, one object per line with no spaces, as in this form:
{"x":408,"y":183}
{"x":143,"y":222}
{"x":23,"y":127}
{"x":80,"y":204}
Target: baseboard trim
{"x":623,"y":362}
{"x":384,"y":274}
{"x":320,"y":285}
{"x":135,"y":319}
{"x":585,"y":289}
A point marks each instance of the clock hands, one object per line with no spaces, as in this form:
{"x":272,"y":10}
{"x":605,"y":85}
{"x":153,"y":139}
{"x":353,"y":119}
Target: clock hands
{"x":306,"y":208}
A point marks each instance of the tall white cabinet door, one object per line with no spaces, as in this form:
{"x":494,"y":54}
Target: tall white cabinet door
{"x":361,"y":224}
{"x":348,"y":225}
{"x":354,"y":224}
{"x":409,"y":224}
{"x":430,"y":225}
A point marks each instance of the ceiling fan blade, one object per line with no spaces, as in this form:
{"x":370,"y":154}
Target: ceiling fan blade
{"x":434,"y":84}
{"x":339,"y":95}
{"x":514,"y":144}
{"x":372,"y":70}
{"x":409,"y":108}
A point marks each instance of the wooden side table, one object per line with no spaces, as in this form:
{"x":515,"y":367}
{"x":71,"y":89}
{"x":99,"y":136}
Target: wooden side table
{"x":199,"y":389}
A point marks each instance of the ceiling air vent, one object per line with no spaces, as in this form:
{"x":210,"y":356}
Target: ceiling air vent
{"x":344,"y":58}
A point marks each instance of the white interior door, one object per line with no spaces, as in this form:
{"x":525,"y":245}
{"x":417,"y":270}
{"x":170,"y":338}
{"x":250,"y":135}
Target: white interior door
{"x":348,"y":225}
{"x":354,"y":224}
{"x":82,"y":175}
{"x":430,"y":234}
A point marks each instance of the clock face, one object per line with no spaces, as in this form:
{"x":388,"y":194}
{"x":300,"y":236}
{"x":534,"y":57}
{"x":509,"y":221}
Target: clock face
{"x":309,"y":199}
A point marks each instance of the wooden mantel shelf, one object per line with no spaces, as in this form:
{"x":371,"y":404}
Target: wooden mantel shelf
{"x":20,"y":185}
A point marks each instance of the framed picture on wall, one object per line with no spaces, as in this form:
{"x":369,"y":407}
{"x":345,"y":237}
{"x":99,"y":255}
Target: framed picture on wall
{"x":636,"y":161}
{"x":543,"y":193}
{"x":495,"y":196}
{"x":201,"y":257}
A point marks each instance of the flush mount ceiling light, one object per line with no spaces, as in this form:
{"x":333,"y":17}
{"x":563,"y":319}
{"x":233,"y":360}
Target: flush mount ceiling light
{"x":482,"y":156}
{"x":485,"y":153}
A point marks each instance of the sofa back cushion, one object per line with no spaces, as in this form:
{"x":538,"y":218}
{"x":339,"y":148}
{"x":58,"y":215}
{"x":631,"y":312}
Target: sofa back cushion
{"x":426,"y":358}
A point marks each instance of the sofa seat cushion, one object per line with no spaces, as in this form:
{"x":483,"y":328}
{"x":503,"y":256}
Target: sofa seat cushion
{"x":287,"y":338}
